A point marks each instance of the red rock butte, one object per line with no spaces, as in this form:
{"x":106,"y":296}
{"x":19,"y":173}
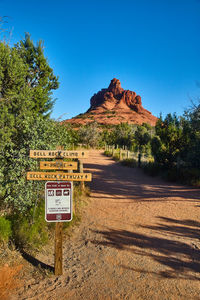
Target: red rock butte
{"x":115,"y":105}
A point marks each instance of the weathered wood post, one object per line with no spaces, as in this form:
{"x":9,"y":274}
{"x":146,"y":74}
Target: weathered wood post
{"x":113,"y":150}
{"x":127,"y":154}
{"x":58,"y":259}
{"x":58,"y":262}
{"x":120,"y":154}
{"x":80,"y":169}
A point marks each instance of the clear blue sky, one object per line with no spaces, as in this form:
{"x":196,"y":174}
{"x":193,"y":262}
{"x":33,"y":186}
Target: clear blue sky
{"x":151,"y":46}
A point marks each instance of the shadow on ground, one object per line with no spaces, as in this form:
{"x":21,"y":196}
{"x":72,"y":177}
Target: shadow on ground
{"x":35,"y":262}
{"x":178,"y":259}
{"x":115,"y":179}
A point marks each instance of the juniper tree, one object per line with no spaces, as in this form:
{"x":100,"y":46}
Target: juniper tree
{"x":26,"y":82}
{"x":40,"y":77}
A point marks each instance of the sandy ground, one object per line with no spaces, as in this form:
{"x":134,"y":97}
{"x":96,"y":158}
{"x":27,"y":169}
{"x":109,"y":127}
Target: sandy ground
{"x":139,"y":239}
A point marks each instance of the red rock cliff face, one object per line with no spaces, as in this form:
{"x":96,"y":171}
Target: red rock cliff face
{"x":115,"y":97}
{"x":115,"y":105}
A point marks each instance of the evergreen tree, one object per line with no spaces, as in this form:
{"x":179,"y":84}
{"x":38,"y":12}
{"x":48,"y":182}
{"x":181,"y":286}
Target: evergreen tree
{"x":25,"y":100}
{"x":191,"y":132}
{"x":167,"y":145}
{"x":40,"y":77}
{"x":142,"y":138}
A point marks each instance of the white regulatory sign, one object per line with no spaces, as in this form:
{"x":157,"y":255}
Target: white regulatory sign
{"x":58,"y":201}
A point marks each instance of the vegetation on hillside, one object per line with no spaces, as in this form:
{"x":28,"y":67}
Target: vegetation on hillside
{"x":174,"y":145}
{"x":26,"y":85}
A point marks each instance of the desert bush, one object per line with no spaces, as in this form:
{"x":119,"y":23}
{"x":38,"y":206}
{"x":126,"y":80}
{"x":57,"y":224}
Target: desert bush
{"x":108,"y":153}
{"x":129,"y":162}
{"x":5,"y":229}
{"x":89,"y":134}
{"x":30,"y":231}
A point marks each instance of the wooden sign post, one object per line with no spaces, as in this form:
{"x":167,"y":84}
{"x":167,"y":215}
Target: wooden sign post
{"x":59,"y":176}
{"x":58,"y":259}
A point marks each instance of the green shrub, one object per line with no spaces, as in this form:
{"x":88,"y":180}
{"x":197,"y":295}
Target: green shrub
{"x":107,"y":153}
{"x":183,"y":175}
{"x":5,"y":229}
{"x":129,"y":162}
{"x":116,"y":157}
{"x":31,"y":231}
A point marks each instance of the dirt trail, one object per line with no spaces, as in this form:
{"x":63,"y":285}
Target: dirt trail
{"x":139,"y":239}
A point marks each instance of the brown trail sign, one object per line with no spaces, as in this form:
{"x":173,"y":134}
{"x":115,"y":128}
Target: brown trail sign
{"x":54,"y":212}
{"x":59,"y":176}
{"x":61,"y":165}
{"x":58,"y":154}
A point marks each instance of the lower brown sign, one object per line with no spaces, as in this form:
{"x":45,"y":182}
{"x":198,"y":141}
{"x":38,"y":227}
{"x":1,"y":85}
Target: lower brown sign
{"x":59,"y":176}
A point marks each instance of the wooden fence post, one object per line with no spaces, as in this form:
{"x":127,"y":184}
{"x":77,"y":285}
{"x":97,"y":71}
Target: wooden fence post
{"x":127,"y":154}
{"x":113,"y":150}
{"x":120,"y":154}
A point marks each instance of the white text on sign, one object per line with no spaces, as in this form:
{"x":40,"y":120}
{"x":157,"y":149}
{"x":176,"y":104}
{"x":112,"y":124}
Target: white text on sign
{"x":59,"y":176}
{"x":57,"y":154}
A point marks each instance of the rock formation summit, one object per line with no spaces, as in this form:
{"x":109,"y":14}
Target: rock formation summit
{"x":115,"y":105}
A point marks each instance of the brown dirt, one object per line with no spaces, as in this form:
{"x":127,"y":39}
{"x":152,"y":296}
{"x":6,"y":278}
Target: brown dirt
{"x":8,"y":280}
{"x":138,"y":239}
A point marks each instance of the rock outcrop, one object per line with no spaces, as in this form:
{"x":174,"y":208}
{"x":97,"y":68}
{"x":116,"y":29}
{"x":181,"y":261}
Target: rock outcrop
{"x":115,"y":105}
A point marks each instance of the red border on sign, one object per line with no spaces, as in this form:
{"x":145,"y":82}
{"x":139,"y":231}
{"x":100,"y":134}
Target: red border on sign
{"x":59,"y":217}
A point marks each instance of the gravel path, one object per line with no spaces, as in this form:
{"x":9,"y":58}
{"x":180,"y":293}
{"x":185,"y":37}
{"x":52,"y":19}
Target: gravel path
{"x":139,"y":239}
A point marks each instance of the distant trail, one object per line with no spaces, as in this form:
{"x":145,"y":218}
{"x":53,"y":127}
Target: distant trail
{"x":138,"y":239}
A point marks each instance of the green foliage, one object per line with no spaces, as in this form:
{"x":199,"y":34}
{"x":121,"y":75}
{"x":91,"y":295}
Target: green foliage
{"x":30,"y":230}
{"x":105,"y":137}
{"x":123,"y":134}
{"x":191,"y":133}
{"x":129,"y":162}
{"x":89,"y":134}
{"x":5,"y":229}
{"x":39,"y":75}
{"x":176,"y":147}
{"x":116,"y":156}
{"x":26,"y":81}
{"x":168,"y":142}
{"x":142,"y":138}
{"x":26,"y":84}
{"x":107,"y":153}
{"x":33,"y":133}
